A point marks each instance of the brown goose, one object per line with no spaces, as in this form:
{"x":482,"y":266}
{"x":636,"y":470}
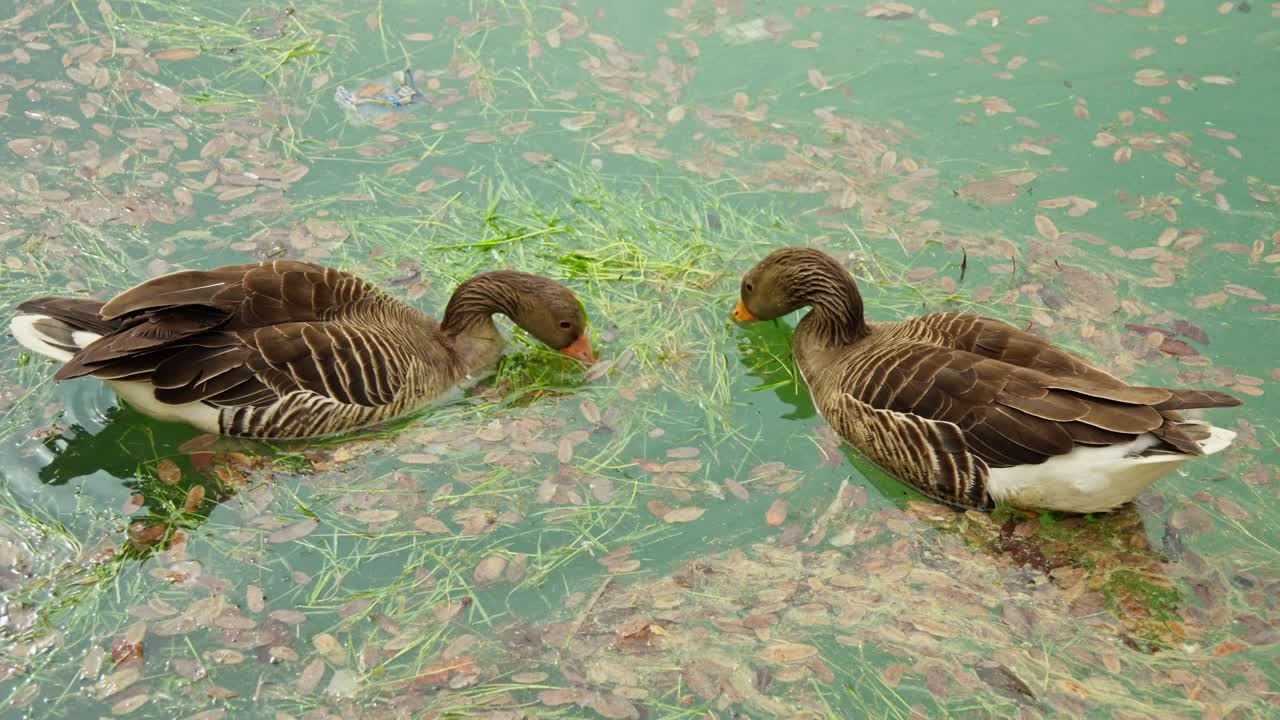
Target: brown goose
{"x":970,"y":410}
{"x":289,"y":349}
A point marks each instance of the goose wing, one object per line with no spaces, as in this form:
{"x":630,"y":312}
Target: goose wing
{"x":919,"y":411}
{"x":253,"y":295}
{"x":250,"y":334}
{"x":1009,"y":415}
{"x":1058,"y":369}
{"x":1001,"y":341}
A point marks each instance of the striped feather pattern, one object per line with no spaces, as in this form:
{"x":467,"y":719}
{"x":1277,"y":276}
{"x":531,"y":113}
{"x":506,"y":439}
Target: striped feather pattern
{"x":941,"y":400}
{"x":289,"y":349}
{"x":929,"y":455}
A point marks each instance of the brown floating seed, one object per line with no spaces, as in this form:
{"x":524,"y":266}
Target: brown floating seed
{"x":590,"y":411}
{"x":787,"y":653}
{"x":293,"y":532}
{"x":490,"y":568}
{"x":255,"y":599}
{"x":168,"y":472}
{"x":683,"y":515}
{"x":777,"y":513}
{"x":194,"y":499}
{"x":310,"y":677}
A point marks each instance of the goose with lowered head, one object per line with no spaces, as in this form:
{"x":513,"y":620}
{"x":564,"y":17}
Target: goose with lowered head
{"x":288,"y":349}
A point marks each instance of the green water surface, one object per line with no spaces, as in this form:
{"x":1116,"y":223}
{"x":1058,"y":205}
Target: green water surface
{"x":672,"y":533}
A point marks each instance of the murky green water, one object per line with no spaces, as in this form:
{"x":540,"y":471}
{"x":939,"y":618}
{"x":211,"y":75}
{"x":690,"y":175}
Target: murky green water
{"x":674,"y":533}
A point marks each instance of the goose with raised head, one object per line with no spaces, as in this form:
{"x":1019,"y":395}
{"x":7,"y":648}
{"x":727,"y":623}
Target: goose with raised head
{"x":287,"y":349}
{"x":970,"y":410}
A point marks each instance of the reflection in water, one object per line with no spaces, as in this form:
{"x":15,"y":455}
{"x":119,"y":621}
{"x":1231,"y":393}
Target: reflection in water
{"x":175,"y":475}
{"x":765,"y":350}
{"x":92,"y":432}
{"x":641,"y":152}
{"x":1103,"y":563}
{"x":124,"y":439}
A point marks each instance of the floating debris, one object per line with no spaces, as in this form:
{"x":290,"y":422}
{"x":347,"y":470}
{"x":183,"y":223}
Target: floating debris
{"x":592,"y":544}
{"x":371,"y":101}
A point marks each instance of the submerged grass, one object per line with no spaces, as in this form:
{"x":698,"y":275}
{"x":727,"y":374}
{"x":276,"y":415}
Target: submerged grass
{"x":489,"y":552}
{"x":634,"y":253}
{"x":260,"y":42}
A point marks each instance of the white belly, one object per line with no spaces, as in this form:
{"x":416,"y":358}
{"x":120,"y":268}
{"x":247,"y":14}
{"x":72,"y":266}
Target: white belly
{"x":1090,"y":479}
{"x":142,"y":397}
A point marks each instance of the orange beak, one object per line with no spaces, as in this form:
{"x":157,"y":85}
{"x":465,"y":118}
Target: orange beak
{"x":742,"y":314}
{"x":580,"y":349}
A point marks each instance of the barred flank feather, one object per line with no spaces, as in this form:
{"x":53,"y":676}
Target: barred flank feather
{"x":928,"y":455}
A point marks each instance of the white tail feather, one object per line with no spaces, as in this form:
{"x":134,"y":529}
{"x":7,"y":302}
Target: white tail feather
{"x":1093,"y":479}
{"x":1219,"y":439}
{"x":24,"y":329}
{"x":138,"y":394}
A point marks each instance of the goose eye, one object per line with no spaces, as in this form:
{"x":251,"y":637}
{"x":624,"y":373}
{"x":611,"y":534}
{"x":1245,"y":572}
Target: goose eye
{"x":748,"y":287}
{"x":565,"y":324}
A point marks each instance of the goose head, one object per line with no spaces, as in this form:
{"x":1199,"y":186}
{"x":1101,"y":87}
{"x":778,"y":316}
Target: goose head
{"x":543,"y":307}
{"x":796,"y":277}
{"x":555,"y":316}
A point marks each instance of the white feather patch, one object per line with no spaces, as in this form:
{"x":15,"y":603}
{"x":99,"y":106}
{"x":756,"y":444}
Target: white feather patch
{"x":142,"y":396}
{"x":84,"y":338}
{"x":24,"y":331}
{"x":1092,"y":479}
{"x":1219,"y":439}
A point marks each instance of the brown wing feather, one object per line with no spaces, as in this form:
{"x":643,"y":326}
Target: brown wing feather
{"x":1130,"y":419}
{"x":1009,"y":415}
{"x":1032,"y":438}
{"x":196,"y":364}
{"x":257,"y":293}
{"x":248,"y":334}
{"x":1000,"y":454}
{"x":1191,"y":399}
{"x":78,"y":313}
{"x":238,"y":381}
{"x":1001,"y":341}
{"x":1180,"y":437}
{"x":142,"y":335}
{"x":279,"y":293}
{"x":1093,"y":436}
{"x":138,"y":366}
{"x":189,"y":287}
{"x":1056,"y":406}
{"x":962,"y":388}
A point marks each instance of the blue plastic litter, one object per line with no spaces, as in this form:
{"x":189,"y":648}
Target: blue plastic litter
{"x":374,"y":100}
